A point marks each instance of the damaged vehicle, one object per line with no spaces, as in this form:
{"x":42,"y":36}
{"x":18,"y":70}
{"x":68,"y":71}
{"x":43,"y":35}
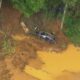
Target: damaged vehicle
{"x":46,"y":36}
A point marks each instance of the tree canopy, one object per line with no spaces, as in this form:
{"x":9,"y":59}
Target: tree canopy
{"x":28,"y":7}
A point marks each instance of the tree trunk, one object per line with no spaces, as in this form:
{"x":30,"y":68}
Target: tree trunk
{"x":63,"y":17}
{"x":0,"y":3}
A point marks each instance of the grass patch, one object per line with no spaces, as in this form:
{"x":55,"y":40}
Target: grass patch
{"x":7,"y":45}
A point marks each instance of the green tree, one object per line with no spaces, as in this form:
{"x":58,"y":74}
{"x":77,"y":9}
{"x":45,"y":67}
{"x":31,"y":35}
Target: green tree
{"x":53,"y":8}
{"x":28,"y":7}
{"x":67,"y":4}
{"x":72,"y":23}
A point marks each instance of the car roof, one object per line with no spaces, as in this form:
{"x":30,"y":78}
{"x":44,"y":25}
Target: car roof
{"x":45,"y":33}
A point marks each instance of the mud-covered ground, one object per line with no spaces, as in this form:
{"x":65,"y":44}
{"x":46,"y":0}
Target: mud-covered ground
{"x":25,"y":46}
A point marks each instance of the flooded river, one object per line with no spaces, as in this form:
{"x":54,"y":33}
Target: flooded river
{"x":58,"y":66}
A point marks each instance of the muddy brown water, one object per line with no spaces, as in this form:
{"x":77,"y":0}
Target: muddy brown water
{"x":62,"y":66}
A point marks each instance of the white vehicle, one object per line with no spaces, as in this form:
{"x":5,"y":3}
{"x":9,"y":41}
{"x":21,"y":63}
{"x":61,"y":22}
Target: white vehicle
{"x":46,"y":36}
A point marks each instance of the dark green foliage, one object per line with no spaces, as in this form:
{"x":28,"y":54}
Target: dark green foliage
{"x":28,"y":7}
{"x":53,"y":8}
{"x":72,"y":24}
